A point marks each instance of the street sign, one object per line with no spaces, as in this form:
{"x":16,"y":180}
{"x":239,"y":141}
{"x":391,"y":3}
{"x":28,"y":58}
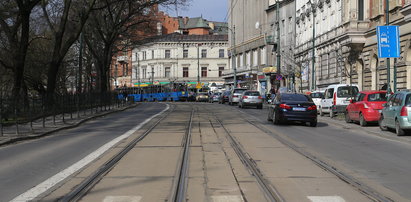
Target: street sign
{"x":279,"y":77}
{"x":388,"y":41}
{"x":198,"y":86}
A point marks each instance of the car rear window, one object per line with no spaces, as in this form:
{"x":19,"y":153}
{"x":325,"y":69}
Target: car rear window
{"x":252,"y":93}
{"x":316,"y":95}
{"x":239,"y":91}
{"x":295,"y":97}
{"x":377,"y":97}
{"x":347,"y":91}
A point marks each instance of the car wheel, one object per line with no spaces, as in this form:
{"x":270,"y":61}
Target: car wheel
{"x":383,"y":127}
{"x":398,"y":129}
{"x":275,"y":119}
{"x":313,"y":123}
{"x":321,"y":112}
{"x":362,"y":121}
{"x":347,"y":117}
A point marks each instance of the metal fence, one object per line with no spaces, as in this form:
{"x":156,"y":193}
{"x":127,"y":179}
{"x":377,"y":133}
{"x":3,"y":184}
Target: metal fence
{"x":65,"y":107}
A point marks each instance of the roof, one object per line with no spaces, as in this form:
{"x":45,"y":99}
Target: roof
{"x":191,"y":23}
{"x":177,"y":37}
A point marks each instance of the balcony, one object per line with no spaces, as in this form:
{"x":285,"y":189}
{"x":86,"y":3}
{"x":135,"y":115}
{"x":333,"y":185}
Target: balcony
{"x":122,"y":59}
{"x":355,"y":32}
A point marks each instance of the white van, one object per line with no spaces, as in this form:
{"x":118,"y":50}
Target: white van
{"x":336,"y":98}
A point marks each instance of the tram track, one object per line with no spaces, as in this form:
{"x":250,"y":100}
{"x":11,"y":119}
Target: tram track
{"x":82,"y":189}
{"x":270,"y":192}
{"x":357,"y":184}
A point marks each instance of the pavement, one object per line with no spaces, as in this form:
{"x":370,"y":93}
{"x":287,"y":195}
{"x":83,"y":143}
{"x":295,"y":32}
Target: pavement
{"x":39,"y":128}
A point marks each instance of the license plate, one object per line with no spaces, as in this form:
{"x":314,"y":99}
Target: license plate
{"x":299,"y":109}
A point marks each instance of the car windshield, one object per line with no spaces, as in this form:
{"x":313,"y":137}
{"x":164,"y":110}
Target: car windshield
{"x":239,"y":91}
{"x":377,"y":97}
{"x":347,"y":91}
{"x":255,"y":93}
{"x":295,"y":97}
{"x":317,"y":95}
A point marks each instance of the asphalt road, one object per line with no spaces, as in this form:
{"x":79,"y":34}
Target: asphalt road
{"x":27,"y":164}
{"x":367,"y":156}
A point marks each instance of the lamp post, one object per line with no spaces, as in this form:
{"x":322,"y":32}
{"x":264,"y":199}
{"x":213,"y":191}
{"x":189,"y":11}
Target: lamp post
{"x":198,"y":66}
{"x":313,"y":84}
{"x":233,"y":57}
{"x":278,"y":41}
{"x":387,"y":22}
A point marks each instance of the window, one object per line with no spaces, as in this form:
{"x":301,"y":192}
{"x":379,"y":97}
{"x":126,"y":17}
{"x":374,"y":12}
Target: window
{"x":144,"y":72}
{"x":144,"y":55}
{"x":203,"y":71}
{"x":329,"y":93}
{"x":152,"y":54}
{"x":221,"y":53}
{"x":185,"y":53}
{"x":377,"y":97}
{"x":347,"y":91}
{"x":220,"y":71}
{"x":167,"y":54}
{"x":167,"y":72}
{"x":185,"y":71}
{"x":360,"y":9}
{"x":203,"y":53}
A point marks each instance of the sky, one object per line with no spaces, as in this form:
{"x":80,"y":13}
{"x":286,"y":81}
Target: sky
{"x":211,"y":10}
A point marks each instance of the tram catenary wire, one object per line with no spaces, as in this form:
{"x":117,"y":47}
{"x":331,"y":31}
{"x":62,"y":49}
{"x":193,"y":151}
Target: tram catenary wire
{"x":82,"y":189}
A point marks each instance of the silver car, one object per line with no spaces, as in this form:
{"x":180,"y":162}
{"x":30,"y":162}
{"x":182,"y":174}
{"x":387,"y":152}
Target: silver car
{"x":251,"y":98}
{"x":235,"y":95}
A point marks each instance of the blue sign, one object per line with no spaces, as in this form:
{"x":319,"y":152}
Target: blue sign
{"x":279,"y":77}
{"x":388,"y":41}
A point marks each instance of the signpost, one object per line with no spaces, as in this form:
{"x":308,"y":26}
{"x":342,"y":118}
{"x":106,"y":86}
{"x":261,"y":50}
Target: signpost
{"x":388,"y":41}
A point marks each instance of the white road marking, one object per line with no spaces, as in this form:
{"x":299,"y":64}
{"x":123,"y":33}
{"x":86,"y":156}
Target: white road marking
{"x":52,"y":181}
{"x":326,"y":198}
{"x":122,"y":199}
{"x":232,"y":198}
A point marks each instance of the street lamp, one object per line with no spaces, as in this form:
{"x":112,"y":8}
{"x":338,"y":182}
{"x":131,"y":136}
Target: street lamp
{"x":313,"y":5}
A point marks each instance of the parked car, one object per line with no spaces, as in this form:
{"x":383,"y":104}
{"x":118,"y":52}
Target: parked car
{"x":293,"y":107}
{"x":234,"y":97}
{"x":397,"y":113}
{"x":224,"y":97}
{"x":214,"y":97}
{"x":336,"y":98}
{"x":366,"y":107}
{"x":251,"y":98}
{"x":202,"y":97}
{"x":317,"y":96}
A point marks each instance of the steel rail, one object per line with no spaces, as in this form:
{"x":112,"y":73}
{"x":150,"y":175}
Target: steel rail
{"x":179,"y":189}
{"x":270,"y":192}
{"x":361,"y":187}
{"x":82,"y":189}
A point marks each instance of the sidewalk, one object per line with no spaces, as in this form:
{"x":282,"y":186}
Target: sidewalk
{"x":26,"y":131}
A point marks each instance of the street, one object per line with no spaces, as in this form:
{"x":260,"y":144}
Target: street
{"x":293,"y":160}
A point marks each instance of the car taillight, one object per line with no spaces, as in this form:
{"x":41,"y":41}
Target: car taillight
{"x":366,"y":106}
{"x":259,"y":97}
{"x":245,"y":97}
{"x":404,"y":111}
{"x":335,"y":99}
{"x":313,"y":107}
{"x":284,"y":106}
{"x":235,"y":95}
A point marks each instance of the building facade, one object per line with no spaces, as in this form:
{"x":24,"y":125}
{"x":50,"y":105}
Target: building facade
{"x":256,"y":30}
{"x":180,"y":59}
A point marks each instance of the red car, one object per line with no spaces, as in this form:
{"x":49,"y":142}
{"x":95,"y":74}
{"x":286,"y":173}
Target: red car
{"x":366,"y":107}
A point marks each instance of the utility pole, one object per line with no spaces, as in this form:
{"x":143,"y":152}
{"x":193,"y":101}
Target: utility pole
{"x":278,"y":41}
{"x":387,"y":18}
{"x":233,"y":57}
{"x":198,"y":66}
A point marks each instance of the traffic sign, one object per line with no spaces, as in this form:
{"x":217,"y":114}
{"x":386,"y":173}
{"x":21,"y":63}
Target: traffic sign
{"x":388,"y":41}
{"x":279,"y":77}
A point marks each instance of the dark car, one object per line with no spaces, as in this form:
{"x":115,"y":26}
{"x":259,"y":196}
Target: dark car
{"x":292,"y":107}
{"x":224,"y":97}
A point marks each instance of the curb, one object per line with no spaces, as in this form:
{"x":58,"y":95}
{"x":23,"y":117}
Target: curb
{"x":45,"y":134}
